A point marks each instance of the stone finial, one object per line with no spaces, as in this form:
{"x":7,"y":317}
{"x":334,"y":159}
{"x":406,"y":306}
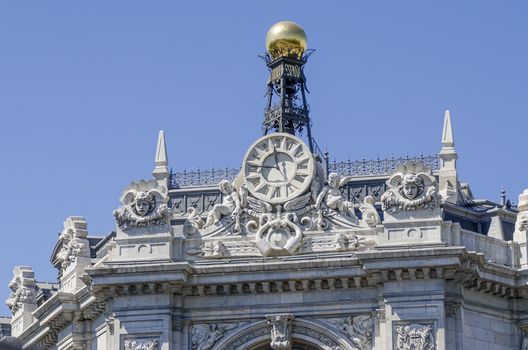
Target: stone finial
{"x":161,"y":171}
{"x":448,"y":176}
{"x":447,"y":132}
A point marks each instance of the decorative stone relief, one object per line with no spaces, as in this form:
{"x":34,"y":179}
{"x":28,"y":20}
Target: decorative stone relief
{"x":281,"y":325}
{"x":144,"y":204}
{"x":358,"y":329}
{"x":369,"y":213}
{"x":193,"y":222}
{"x":205,"y":336}
{"x":72,"y":242}
{"x":521,"y":224}
{"x":411,"y":187}
{"x":332,"y":199}
{"x":213,"y":249}
{"x":132,"y":344}
{"x":415,"y":337}
{"x":22,"y":287}
{"x":339,"y":242}
{"x":230,"y":206}
{"x":280,"y":193}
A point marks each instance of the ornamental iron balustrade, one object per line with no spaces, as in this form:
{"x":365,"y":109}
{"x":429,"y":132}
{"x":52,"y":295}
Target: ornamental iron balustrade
{"x":358,"y":168}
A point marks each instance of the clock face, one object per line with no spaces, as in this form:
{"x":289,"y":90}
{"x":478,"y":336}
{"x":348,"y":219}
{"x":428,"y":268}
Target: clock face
{"x":278,"y":167}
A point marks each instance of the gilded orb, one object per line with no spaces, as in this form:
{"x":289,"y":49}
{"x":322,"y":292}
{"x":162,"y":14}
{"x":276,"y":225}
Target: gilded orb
{"x":286,"y":38}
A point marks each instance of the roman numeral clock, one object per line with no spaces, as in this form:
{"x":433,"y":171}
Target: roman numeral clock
{"x":278,"y":167}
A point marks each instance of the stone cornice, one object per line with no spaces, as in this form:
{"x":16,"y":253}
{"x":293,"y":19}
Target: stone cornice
{"x":57,"y":312}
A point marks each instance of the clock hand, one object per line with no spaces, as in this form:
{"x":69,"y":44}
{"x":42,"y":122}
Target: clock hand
{"x":265,"y":166}
{"x":275,"y":156}
{"x":283,"y":168}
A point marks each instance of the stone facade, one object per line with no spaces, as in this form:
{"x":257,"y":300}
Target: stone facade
{"x":287,"y":255}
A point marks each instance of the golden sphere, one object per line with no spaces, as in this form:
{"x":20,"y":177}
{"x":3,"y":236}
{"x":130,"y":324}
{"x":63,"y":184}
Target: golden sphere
{"x":286,"y":38}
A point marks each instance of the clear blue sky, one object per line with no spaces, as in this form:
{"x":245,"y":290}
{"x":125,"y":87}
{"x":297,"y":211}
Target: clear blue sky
{"x":86,"y":85}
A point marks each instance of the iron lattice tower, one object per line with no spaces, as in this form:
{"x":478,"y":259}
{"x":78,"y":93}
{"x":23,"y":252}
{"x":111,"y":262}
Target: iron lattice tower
{"x":287,"y":109}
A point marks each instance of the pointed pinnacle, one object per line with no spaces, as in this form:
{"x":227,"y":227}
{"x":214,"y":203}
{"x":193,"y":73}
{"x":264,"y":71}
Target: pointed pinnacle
{"x":161,"y":150}
{"x":447,"y":132}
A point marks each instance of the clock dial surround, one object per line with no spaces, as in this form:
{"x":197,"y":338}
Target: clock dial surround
{"x":278,"y":167}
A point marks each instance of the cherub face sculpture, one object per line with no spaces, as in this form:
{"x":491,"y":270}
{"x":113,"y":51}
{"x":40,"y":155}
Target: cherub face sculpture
{"x":143,"y":203}
{"x":225,"y":187}
{"x":411,"y":186}
{"x":333,"y":180}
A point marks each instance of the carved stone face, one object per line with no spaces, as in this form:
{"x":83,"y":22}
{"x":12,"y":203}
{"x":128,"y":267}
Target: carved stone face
{"x":411,"y":186}
{"x":225,"y":187}
{"x":143,"y":204}
{"x":333,"y":180}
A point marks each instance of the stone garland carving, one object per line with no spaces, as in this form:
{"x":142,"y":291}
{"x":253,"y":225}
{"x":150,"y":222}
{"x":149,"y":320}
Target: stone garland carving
{"x":411,"y":187}
{"x":19,"y":295}
{"x":339,"y":243}
{"x":281,"y":325}
{"x":138,"y":345}
{"x":358,"y":329}
{"x":415,"y":337}
{"x":205,"y":336}
{"x":144,"y":204}
{"x":71,"y":245}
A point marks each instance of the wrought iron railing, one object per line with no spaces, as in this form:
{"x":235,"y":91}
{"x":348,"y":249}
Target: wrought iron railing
{"x":364,"y":167}
{"x":371,"y":167}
